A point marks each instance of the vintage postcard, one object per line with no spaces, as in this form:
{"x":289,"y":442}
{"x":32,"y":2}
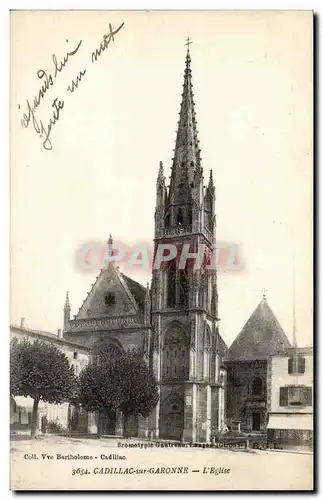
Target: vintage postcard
{"x":161,"y":250}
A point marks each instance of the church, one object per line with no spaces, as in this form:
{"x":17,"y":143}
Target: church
{"x":175,"y":321}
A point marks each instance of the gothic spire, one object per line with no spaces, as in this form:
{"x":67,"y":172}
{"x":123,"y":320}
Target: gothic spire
{"x":161,"y":176}
{"x":67,"y":301}
{"x":67,"y":312}
{"x":211,"y":184}
{"x":187,"y":154}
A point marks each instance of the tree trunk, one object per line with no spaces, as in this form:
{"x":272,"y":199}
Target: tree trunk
{"x":125,"y":425}
{"x":100,"y":423}
{"x":69,"y":419}
{"x":34,"y":421}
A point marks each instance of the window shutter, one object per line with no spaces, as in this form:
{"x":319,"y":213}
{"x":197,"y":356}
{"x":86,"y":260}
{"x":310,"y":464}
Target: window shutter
{"x":283,"y":396}
{"x":290,"y":365}
{"x":301,"y":365}
{"x":307,"y":396}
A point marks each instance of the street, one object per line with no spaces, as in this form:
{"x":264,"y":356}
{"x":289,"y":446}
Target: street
{"x":60,"y":463}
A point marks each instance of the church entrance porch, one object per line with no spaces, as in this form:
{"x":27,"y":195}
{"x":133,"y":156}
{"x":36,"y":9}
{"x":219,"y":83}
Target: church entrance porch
{"x":256,"y":421}
{"x":171,"y":417}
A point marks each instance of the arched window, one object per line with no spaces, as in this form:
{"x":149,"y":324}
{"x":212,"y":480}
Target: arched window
{"x":179,"y":217}
{"x":175,"y":359}
{"x":106,"y":349}
{"x":207,"y":353}
{"x":257,"y":387}
{"x":171,"y":284}
{"x":183,"y":287}
{"x":190,"y":216}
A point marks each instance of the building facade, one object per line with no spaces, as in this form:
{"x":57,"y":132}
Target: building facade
{"x":116,"y":311}
{"x":21,"y":407}
{"x":247,"y":364}
{"x":290,"y":396}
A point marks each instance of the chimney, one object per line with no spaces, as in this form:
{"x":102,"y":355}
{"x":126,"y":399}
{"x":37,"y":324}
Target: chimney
{"x":22,"y":323}
{"x":59,"y":333}
{"x":281,"y":347}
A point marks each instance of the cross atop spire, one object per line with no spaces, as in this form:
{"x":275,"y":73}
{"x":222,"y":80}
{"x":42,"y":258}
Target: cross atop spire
{"x":110,"y":246}
{"x":188,"y":43}
{"x":264,"y":293}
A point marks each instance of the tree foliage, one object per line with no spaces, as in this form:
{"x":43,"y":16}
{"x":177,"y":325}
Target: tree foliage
{"x":122,"y":382}
{"x":40,"y":370}
{"x":139,"y":387}
{"x":98,"y":390}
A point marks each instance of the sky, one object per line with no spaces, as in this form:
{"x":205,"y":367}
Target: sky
{"x":252,"y":77}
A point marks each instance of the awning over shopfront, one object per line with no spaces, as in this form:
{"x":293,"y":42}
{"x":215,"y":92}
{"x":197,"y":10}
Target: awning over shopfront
{"x":291,"y":422}
{"x":26,"y":402}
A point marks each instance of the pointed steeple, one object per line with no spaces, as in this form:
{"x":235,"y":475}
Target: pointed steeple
{"x":67,"y":311}
{"x":187,"y":154}
{"x":67,"y":302}
{"x":161,"y":176}
{"x":211,"y":184}
{"x":260,"y":337}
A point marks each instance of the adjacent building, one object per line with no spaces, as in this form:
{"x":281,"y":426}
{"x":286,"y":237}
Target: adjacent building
{"x":247,"y":362}
{"x":21,"y":407}
{"x":290,"y":396}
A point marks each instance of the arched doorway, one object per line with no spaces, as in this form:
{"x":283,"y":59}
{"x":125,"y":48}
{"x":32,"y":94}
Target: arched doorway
{"x":175,"y":369}
{"x":171,"y":421}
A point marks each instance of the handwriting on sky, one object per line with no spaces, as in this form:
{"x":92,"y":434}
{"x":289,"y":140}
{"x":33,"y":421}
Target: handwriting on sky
{"x":29,"y":118}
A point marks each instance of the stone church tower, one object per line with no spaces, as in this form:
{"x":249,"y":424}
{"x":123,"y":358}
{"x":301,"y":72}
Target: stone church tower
{"x":187,"y":349}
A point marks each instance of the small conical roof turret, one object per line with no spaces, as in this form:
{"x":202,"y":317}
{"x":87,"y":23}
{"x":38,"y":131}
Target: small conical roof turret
{"x":67,"y":302}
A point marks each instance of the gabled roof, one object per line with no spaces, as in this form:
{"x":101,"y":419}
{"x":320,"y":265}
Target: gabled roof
{"x":130,"y":295}
{"x":261,"y":336}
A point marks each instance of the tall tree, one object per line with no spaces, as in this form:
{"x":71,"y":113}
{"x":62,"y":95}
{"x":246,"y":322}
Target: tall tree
{"x":99,"y":389}
{"x":139,"y":387}
{"x":40,"y":370}
{"x":119,"y":380}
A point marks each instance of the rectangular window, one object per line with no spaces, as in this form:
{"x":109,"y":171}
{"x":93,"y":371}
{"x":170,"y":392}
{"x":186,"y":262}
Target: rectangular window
{"x":75,"y":355}
{"x":295,"y":396}
{"x":283,"y":396}
{"x":296,"y":364}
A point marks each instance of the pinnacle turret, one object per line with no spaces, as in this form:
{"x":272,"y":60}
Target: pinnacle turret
{"x":67,"y":302}
{"x":67,"y":312}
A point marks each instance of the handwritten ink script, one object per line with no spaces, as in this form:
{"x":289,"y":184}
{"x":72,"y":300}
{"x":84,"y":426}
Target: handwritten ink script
{"x":29,"y":118}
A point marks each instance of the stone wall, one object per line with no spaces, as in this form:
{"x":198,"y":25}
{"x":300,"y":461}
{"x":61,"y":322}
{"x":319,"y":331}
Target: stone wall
{"x":241,"y":402}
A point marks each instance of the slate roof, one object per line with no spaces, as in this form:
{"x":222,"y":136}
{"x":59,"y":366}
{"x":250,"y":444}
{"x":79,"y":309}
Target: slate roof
{"x":137,"y":290}
{"x":222,"y":347}
{"x":260,"y":337}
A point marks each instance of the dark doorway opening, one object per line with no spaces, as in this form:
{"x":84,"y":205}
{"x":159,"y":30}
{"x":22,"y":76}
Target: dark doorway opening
{"x":256,"y":421}
{"x":109,"y":423}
